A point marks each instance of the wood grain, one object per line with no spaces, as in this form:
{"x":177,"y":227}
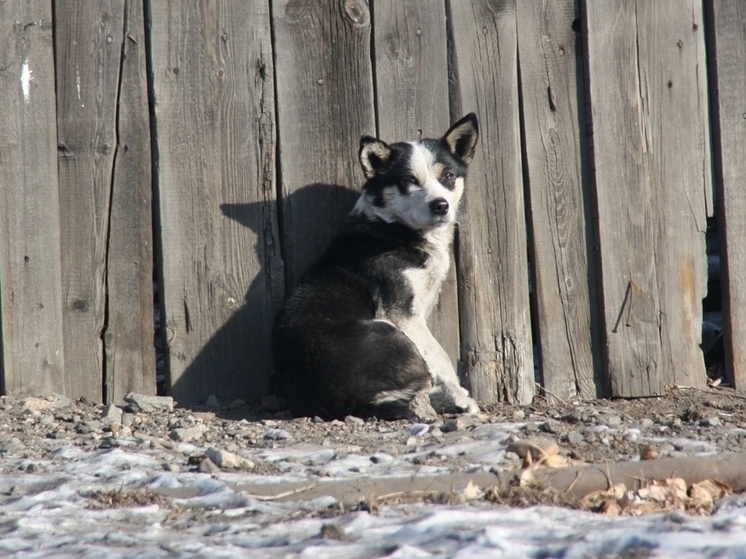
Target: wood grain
{"x":30,"y":276}
{"x":561,"y":207}
{"x":496,"y":346}
{"x":728,"y":56}
{"x":325,"y":103}
{"x":411,"y":70}
{"x":215,"y":133}
{"x":649,"y":105}
{"x":88,"y":39}
{"x":129,"y":352}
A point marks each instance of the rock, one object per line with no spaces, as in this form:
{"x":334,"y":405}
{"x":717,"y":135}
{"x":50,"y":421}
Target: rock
{"x":574,"y":437}
{"x":519,"y":415}
{"x":420,"y":408}
{"x":381,"y":458}
{"x":204,"y":415}
{"x":276,"y":435}
{"x":417,"y":429}
{"x":552,"y":426}
{"x":11,"y":446}
{"x":537,"y":447}
{"x":186,"y":434}
{"x":207,"y":466}
{"x":111,"y":414}
{"x":212,"y":402}
{"x":646,"y":423}
{"x":613,"y":421}
{"x":461,"y":422}
{"x":352,"y":420}
{"x":59,"y":401}
{"x":713,"y":421}
{"x":128,"y":419}
{"x":150,"y":404}
{"x":38,"y":404}
{"x":227,"y":460}
{"x":531,"y":427}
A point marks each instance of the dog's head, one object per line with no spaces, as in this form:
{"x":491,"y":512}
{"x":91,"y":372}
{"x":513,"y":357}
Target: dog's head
{"x":419,"y":184}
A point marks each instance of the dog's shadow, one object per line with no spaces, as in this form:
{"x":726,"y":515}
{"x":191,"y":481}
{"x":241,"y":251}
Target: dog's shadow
{"x":290,"y":235}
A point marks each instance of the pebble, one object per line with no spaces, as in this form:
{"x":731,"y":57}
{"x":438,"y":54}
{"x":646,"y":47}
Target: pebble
{"x":531,"y":427}
{"x":111,"y":414}
{"x":212,"y":402}
{"x":518,"y":415}
{"x":352,"y":420}
{"x":186,"y":434}
{"x":38,"y":404}
{"x":277,"y":435}
{"x":150,"y":404}
{"x":228,"y":460}
{"x":552,"y":426}
{"x":574,"y":437}
{"x":417,"y":429}
{"x":207,"y":466}
{"x":646,"y":422}
{"x":713,"y":421}
{"x":613,"y":421}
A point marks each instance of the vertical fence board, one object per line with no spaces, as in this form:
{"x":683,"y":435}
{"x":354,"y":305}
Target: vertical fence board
{"x":325,"y":103}
{"x":728,"y":52}
{"x":214,"y":119}
{"x":650,"y":139}
{"x":496,"y":342}
{"x":412,"y":102}
{"x":88,"y":38}
{"x":32,"y":344}
{"x":559,"y":200}
{"x":130,"y":359}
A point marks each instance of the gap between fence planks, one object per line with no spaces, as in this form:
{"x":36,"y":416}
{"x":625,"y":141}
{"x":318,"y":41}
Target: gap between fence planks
{"x":728,"y":57}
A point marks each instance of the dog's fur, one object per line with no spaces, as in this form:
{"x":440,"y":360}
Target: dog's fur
{"x":352,"y":338}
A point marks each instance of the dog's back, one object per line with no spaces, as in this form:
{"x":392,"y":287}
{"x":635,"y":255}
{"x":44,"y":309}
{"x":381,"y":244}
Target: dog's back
{"x":351,"y":339}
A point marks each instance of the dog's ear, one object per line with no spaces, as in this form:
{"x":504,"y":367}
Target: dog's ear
{"x":461,"y":138}
{"x":374,"y":155}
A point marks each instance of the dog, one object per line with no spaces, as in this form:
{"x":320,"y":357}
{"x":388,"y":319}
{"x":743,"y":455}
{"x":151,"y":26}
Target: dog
{"x":352,"y":337}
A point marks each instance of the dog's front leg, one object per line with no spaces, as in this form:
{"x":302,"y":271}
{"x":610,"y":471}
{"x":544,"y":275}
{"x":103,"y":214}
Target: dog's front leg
{"x":449,"y":392}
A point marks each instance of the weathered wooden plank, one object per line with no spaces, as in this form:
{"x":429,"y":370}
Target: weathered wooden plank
{"x":32,"y":344}
{"x":88,"y":40}
{"x":129,"y":352}
{"x":728,"y":55}
{"x":648,"y":96}
{"x":325,"y":103}
{"x":496,"y":345}
{"x":412,"y":102}
{"x":561,"y":206}
{"x":214,"y":119}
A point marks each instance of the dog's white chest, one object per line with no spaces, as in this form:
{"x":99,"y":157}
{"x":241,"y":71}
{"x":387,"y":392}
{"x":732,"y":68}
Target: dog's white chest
{"x":425,"y":282}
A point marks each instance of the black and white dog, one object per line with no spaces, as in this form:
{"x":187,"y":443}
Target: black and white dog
{"x":352,"y":338}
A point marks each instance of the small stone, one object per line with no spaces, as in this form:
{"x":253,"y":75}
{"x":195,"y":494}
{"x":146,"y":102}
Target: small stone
{"x":46,"y":419}
{"x":417,"y":429}
{"x":381,"y":458}
{"x":169,"y":467}
{"x":207,"y":466}
{"x":227,"y":460}
{"x":352,"y":420}
{"x":276,"y":435}
{"x":150,"y":404}
{"x":128,"y":419}
{"x":461,"y":422}
{"x":111,"y":414}
{"x":552,"y":426}
{"x":420,"y":408}
{"x":317,"y":419}
{"x":411,"y":441}
{"x":204,"y":415}
{"x":613,"y":421}
{"x":646,"y":422}
{"x":713,"y":421}
{"x":9,"y":447}
{"x":531,"y":427}
{"x":574,"y":437}
{"x":518,"y":415}
{"x":38,"y":404}
{"x":186,"y":434}
{"x":59,"y":401}
{"x":212,"y":402}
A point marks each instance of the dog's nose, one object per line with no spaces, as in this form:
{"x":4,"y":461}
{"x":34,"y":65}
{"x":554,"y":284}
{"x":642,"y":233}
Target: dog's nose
{"x":439,"y":206}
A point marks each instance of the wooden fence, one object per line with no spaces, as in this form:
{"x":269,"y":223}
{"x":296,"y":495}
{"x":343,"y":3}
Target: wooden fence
{"x":218,"y":140}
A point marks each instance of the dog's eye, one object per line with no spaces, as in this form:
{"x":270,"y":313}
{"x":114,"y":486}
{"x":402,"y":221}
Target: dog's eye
{"x":448,"y":176}
{"x":412,"y":181}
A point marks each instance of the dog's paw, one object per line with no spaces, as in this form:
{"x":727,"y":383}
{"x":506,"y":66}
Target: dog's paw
{"x":452,"y":398}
